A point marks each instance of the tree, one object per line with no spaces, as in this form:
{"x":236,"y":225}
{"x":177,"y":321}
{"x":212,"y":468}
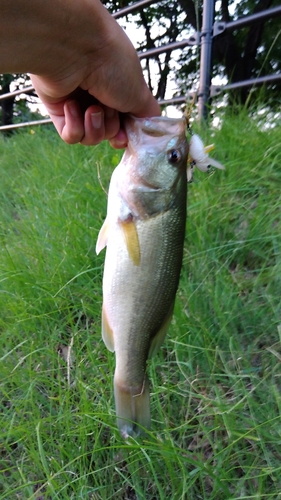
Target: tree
{"x":13,"y":108}
{"x":251,"y":52}
{"x":237,"y":55}
{"x":7,"y":105}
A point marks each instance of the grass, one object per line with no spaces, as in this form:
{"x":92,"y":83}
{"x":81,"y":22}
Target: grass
{"x":215,"y":385}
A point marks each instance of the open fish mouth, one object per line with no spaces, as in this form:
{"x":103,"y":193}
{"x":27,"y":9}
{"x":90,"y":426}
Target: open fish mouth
{"x":156,"y":126}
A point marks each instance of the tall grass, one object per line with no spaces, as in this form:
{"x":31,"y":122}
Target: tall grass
{"x":215,"y":385}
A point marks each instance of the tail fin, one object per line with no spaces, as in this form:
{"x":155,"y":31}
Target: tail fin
{"x":132,"y":409}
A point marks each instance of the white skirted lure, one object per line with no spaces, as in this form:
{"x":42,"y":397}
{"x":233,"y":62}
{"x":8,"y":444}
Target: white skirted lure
{"x":198,"y":157}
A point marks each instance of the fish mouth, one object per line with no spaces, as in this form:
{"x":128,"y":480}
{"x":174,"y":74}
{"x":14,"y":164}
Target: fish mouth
{"x":153,"y":132}
{"x":147,"y":186}
{"x":156,"y":126}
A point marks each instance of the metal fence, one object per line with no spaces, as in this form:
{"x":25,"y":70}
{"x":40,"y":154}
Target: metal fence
{"x":204,"y":39}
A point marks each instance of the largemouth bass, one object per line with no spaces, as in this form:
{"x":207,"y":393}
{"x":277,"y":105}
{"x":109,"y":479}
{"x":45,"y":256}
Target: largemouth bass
{"x":144,"y":234}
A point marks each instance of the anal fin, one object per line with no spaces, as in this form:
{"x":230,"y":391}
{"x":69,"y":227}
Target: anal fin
{"x":107,"y":332}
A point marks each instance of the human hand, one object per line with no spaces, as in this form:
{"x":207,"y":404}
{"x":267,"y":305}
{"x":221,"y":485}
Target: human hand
{"x":87,"y":97}
{"x":83,"y":66}
{"x":79,"y":117}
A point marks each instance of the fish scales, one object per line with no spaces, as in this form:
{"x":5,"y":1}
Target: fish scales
{"x":147,"y":200}
{"x":155,"y":286}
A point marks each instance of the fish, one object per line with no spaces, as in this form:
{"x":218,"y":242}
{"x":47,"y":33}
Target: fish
{"x":143,"y":233}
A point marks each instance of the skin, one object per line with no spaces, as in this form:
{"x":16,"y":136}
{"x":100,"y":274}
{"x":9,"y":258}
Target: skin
{"x":82,"y":65}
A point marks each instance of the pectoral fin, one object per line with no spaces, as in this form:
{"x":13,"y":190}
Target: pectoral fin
{"x":158,"y":339}
{"x":102,"y":237}
{"x":107,"y":333}
{"x":132,"y":240}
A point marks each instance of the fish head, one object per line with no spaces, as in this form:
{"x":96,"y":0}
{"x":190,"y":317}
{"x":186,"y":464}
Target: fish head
{"x":154,"y":163}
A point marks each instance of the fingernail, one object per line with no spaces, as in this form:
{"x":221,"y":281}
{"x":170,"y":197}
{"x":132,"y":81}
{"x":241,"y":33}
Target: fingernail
{"x":120,"y":140}
{"x":118,"y":144}
{"x":96,"y":119}
{"x":72,"y":106}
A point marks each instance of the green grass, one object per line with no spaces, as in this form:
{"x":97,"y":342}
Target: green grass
{"x":216,"y":383}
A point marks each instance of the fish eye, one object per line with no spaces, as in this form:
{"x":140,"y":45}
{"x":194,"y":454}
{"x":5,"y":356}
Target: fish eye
{"x":174,"y":156}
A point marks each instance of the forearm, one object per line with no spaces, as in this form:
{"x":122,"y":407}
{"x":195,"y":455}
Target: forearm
{"x":30,"y":30}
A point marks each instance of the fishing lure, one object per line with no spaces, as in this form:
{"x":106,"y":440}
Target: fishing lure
{"x":198,"y":157}
{"x":198,"y":153}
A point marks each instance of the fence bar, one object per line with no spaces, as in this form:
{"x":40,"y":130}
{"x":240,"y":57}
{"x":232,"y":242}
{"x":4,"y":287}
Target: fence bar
{"x":192,"y":40}
{"x":132,"y":8}
{"x":216,"y":89}
{"x":26,"y":124}
{"x":209,"y":30}
{"x":176,"y":100}
{"x":220,"y":27}
{"x":25,"y":90}
{"x":205,"y":58}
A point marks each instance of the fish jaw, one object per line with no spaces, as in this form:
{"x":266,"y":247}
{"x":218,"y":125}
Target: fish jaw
{"x":151,"y":134}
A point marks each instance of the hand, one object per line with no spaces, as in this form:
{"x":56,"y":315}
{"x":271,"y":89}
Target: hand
{"x":86,"y":103}
{"x":79,"y":117}
{"x":83,"y":66}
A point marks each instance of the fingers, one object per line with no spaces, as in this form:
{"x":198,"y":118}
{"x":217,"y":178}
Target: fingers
{"x":70,"y":125}
{"x":97,"y":124}
{"x":102,"y":123}
{"x":120,"y":141}
{"x":81,"y":118}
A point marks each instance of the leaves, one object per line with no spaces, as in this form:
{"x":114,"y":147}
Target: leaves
{"x":237,"y":55}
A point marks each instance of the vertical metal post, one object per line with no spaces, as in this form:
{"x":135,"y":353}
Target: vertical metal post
{"x":205,"y":58}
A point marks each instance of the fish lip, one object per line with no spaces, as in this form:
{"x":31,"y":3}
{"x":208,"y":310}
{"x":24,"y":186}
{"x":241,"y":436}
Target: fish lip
{"x":149,"y":186}
{"x":145,"y":133}
{"x":150,"y":125}
{"x":166,"y":119}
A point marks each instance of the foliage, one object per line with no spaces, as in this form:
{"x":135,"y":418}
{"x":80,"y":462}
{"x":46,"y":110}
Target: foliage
{"x":215,"y":385}
{"x":239,"y":55}
{"x":246,"y":53}
{"x":15,"y":109}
